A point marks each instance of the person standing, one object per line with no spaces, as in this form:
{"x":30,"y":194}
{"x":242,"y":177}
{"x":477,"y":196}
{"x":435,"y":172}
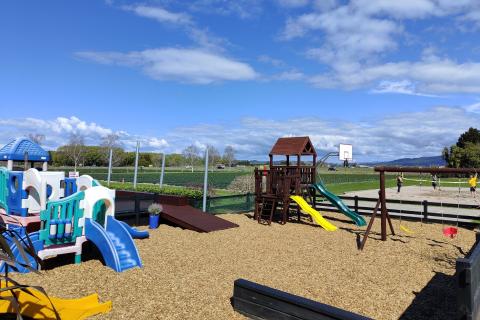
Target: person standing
{"x":434,"y":181}
{"x":473,"y":185}
{"x":399,"y":182}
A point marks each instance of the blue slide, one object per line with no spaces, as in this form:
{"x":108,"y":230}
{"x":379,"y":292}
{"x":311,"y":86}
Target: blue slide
{"x":337,"y":202}
{"x":37,"y":245}
{"x":136,"y":234}
{"x":115,"y":244}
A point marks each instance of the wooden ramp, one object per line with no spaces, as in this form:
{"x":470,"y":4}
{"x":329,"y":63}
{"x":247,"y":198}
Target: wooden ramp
{"x":193,"y":219}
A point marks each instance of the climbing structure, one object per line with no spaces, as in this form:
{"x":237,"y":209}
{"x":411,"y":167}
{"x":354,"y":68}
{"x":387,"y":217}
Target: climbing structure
{"x":292,"y":175}
{"x":293,"y":178}
{"x":60,"y":215}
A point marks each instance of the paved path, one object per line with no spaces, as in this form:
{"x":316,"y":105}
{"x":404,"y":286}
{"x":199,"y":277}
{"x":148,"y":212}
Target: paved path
{"x":450,"y":195}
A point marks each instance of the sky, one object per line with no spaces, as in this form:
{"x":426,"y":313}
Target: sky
{"x":393,"y":78}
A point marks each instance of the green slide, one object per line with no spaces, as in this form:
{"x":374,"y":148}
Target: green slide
{"x":337,"y":202}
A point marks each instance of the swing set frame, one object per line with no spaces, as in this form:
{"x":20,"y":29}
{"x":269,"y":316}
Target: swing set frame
{"x":382,"y":199}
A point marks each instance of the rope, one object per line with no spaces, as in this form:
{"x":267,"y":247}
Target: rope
{"x":402,"y":227}
{"x":438,"y":181}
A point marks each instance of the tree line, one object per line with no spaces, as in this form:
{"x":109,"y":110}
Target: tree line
{"x":75,"y":153}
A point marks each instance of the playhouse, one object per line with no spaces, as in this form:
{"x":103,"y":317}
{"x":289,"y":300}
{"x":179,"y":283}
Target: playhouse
{"x":26,"y":151}
{"x":60,"y":214}
{"x":292,"y":179}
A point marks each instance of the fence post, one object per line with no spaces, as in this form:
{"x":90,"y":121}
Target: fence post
{"x":356,"y":204}
{"x":425,"y":210}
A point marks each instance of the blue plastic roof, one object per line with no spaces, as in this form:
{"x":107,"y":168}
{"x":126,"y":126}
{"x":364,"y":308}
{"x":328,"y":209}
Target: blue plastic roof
{"x":15,"y":150}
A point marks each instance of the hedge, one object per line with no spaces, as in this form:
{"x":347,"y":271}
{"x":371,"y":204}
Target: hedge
{"x":148,"y":187}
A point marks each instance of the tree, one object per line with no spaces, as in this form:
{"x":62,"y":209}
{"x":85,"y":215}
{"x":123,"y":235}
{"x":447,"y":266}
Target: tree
{"x":93,"y":156}
{"x":229,"y":155}
{"x":75,"y":149}
{"x":112,"y":142}
{"x":213,"y":155}
{"x":472,"y":135}
{"x":174,"y":160}
{"x":190,"y":154}
{"x":466,"y":152}
{"x":38,"y":138}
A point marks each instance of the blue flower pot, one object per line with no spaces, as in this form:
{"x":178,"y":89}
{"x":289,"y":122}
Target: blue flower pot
{"x":153,"y":221}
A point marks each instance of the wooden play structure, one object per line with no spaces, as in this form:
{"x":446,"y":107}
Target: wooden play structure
{"x":292,"y":176}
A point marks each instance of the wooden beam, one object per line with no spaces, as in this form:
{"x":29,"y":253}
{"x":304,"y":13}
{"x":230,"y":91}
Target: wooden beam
{"x":261,"y":302}
{"x":426,"y":170}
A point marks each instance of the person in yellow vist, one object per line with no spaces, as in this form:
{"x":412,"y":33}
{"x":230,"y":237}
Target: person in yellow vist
{"x":472,"y":182}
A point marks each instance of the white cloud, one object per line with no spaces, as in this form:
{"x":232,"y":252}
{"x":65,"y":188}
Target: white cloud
{"x":357,"y":36}
{"x":160,"y":14}
{"x":399,"y":87}
{"x":397,"y":9}
{"x":184,"y":65}
{"x":348,"y":34}
{"x":58,"y":131}
{"x":475,"y":108}
{"x":411,"y":134}
{"x":437,"y":76}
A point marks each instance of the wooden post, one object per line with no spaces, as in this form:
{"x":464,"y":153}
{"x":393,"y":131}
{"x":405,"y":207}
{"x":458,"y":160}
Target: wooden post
{"x":383,"y":204}
{"x":370,"y":224}
{"x":356,"y":204}
{"x":425,"y":210}
{"x":314,"y":180}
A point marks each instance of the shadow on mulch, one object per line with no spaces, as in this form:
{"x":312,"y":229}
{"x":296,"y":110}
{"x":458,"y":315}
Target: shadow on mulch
{"x":437,"y":300}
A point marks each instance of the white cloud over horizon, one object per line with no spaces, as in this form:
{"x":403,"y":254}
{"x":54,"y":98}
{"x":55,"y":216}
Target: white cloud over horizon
{"x":400,"y":135}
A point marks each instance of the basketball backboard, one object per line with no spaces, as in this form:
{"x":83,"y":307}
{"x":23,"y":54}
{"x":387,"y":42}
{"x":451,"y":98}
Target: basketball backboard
{"x":345,"y":152}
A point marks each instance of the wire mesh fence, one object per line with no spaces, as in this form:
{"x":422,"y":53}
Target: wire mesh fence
{"x":228,"y":204}
{"x":219,"y":179}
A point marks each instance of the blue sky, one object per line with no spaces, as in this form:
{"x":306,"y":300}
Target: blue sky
{"x":393,"y":78}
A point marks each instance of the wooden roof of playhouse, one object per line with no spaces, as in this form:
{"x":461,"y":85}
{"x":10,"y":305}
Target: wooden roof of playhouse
{"x":299,"y":146}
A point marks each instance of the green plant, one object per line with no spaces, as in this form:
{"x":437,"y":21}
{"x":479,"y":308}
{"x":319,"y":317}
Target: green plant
{"x":155,"y":209}
{"x":148,"y":187}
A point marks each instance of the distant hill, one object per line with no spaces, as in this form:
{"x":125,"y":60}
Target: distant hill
{"x":436,"y":161}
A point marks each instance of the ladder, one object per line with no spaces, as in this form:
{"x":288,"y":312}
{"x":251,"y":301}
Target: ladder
{"x":266,"y":210}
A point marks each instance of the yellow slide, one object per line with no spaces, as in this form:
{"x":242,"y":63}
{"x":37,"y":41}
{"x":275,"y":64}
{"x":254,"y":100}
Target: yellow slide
{"x":37,"y":306}
{"x":316,"y":216}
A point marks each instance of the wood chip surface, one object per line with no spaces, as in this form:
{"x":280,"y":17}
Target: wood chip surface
{"x":189,"y":275}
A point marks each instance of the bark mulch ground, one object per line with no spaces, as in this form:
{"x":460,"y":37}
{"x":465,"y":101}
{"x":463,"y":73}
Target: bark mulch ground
{"x":189,"y":275}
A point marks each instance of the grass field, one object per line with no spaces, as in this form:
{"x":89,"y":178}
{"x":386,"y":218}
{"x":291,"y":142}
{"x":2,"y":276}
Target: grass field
{"x":338,"y":182}
{"x":219,"y":179}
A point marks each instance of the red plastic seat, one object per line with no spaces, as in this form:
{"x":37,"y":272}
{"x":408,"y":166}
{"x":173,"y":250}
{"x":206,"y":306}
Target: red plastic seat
{"x":450,"y":232}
